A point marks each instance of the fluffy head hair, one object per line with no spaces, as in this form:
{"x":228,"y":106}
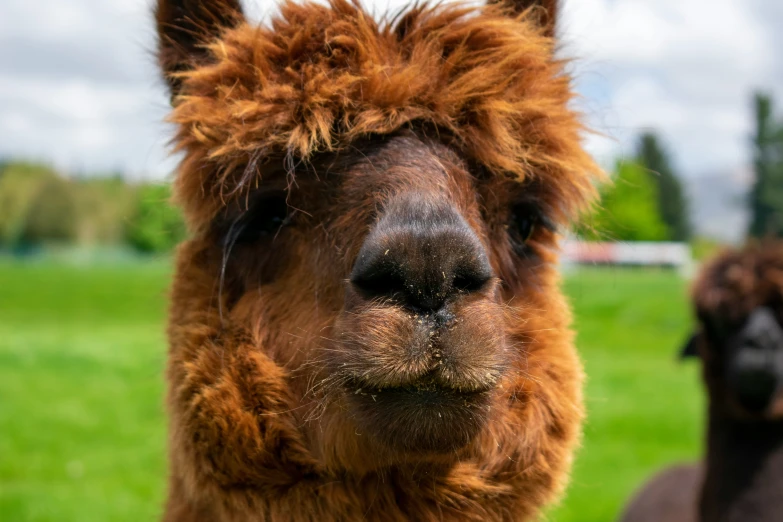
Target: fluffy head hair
{"x":735,"y":282}
{"x":322,"y":77}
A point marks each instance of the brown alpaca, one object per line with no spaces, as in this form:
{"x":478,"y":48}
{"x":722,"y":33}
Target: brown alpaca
{"x":366,"y":323}
{"x":738,"y":299}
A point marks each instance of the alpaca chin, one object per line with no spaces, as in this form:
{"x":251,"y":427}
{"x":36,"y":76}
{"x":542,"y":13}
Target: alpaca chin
{"x":423,"y":418}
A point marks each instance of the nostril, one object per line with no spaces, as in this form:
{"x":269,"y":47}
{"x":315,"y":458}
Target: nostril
{"x":384,"y":281}
{"x":378,"y":282}
{"x":470,"y":280}
{"x":753,"y":377}
{"x":755,"y":388}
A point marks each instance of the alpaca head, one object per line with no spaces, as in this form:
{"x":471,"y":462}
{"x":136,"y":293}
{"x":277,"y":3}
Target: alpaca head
{"x":374,"y":210}
{"x":739,"y":303}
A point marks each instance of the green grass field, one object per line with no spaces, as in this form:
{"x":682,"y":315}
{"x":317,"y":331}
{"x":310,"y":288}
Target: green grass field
{"x":82,"y":426}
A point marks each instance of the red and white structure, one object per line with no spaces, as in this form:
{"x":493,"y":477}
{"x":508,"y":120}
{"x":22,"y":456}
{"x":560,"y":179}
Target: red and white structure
{"x":639,"y":253}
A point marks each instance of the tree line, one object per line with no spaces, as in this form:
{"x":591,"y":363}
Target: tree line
{"x":647,"y":201}
{"x":40,"y":207}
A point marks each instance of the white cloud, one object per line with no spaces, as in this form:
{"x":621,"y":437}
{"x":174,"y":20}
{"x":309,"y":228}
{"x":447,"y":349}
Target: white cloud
{"x":686,"y":69}
{"x":79,"y":87}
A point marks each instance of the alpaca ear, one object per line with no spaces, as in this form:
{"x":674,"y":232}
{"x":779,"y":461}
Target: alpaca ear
{"x":546,"y":11}
{"x":690,"y":348}
{"x":185,"y":27}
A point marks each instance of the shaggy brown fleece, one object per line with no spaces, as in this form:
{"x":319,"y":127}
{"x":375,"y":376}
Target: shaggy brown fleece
{"x":340,"y":112}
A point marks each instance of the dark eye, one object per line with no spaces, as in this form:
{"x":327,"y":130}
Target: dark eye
{"x":267,"y":215}
{"x":719,"y":329}
{"x":524,"y":220}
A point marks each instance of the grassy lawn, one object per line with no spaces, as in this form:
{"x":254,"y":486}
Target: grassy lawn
{"x":645,"y":409}
{"x":82,"y":429}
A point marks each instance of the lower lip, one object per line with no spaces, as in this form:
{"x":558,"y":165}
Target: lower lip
{"x":422,"y":419}
{"x":421,"y":396}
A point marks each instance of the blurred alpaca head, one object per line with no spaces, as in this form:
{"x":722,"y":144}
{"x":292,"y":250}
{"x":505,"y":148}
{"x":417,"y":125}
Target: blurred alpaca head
{"x":739,"y":304}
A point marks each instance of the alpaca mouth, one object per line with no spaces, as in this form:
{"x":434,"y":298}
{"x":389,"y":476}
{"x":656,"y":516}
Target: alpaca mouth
{"x":428,"y":392}
{"x":422,"y":417}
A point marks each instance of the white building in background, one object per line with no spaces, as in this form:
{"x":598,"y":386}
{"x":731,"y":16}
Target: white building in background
{"x":640,"y":253}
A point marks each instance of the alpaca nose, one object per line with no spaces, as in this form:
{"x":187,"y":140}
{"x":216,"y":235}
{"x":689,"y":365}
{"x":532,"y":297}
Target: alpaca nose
{"x":420,"y":254}
{"x":762,"y":331}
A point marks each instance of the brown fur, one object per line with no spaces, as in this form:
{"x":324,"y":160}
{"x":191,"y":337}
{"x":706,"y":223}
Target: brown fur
{"x":463,"y":107}
{"x":670,"y":496}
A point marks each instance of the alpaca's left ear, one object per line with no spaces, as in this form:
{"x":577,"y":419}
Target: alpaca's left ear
{"x":185,"y":27}
{"x":545,"y":11}
{"x":691,"y":347}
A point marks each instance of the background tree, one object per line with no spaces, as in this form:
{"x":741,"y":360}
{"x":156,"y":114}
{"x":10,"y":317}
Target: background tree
{"x":20,"y":184}
{"x":766,"y":195}
{"x":155,"y":226}
{"x":628,"y":209}
{"x":39,"y":206}
{"x":52,"y":215}
{"x":671,"y":199}
{"x":106,"y":204}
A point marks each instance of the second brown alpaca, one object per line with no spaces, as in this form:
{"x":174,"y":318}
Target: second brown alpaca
{"x":738,"y":300}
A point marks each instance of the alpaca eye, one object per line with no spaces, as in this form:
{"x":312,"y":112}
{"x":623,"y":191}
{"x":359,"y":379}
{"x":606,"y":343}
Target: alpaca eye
{"x":264,"y":219}
{"x":524,"y":220}
{"x":719,"y":329}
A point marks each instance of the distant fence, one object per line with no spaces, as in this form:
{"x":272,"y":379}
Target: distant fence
{"x":641,"y":253}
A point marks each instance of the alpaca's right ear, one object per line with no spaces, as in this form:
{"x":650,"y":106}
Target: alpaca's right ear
{"x":690,"y":348}
{"x":185,"y":27}
{"x":546,"y":11}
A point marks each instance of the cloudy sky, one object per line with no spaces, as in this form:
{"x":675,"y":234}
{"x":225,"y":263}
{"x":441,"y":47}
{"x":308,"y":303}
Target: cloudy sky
{"x":79,"y":88}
